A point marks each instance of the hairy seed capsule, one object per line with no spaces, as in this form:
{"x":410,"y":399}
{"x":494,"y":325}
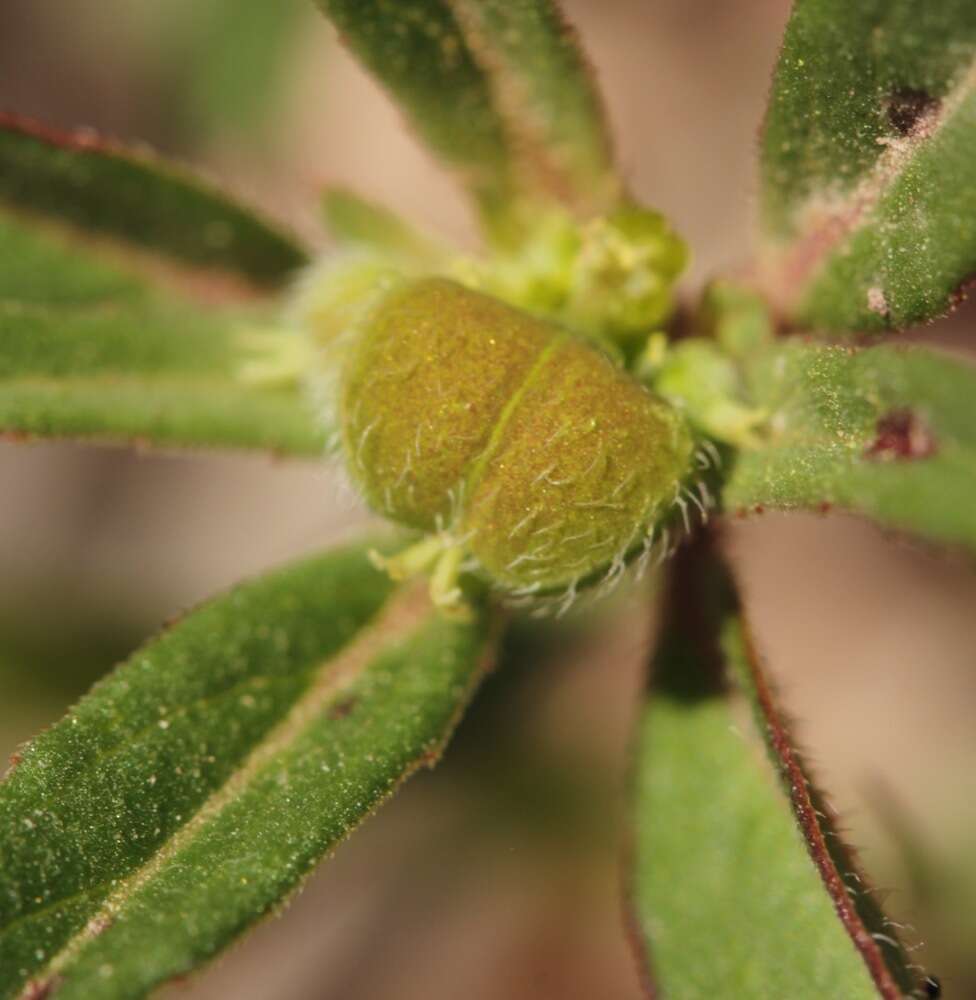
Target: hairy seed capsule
{"x":535,"y":451}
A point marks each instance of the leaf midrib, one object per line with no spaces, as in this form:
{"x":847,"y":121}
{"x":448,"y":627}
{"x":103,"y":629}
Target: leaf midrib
{"x":124,"y":744}
{"x":794,"y":265}
{"x":126,"y":738}
{"x":173,"y":379}
{"x":11,"y":305}
{"x":390,"y":623}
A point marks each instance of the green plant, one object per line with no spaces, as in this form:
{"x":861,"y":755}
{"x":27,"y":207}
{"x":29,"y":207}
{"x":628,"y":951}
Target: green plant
{"x":192,"y":790}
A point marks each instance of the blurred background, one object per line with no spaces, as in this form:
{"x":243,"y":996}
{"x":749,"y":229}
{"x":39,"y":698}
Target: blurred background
{"x":496,"y":876}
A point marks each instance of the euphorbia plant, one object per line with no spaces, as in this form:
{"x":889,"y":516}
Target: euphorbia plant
{"x":543,"y":430}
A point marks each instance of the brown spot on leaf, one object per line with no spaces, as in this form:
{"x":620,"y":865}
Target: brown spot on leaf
{"x":900,"y":436}
{"x":877,"y":302}
{"x":98,"y":925}
{"x":342,"y":708}
{"x":907,"y":106}
{"x":15,"y":759}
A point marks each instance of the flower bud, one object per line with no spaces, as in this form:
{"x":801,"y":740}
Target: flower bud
{"x":624,"y":273}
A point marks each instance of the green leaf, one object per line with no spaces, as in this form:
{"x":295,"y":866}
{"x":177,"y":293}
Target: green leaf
{"x":78,"y":179}
{"x":417,"y":51}
{"x":730,"y":899}
{"x":499,"y":91}
{"x":87,"y":350}
{"x":194,"y":788}
{"x":356,"y":222}
{"x":546,"y":95}
{"x":869,"y":163}
{"x":886,"y":432}
{"x":229,"y":59}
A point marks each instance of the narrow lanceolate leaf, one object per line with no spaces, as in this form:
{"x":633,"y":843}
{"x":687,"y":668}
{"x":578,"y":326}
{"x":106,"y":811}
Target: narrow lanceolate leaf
{"x":417,"y":51}
{"x":194,"y":788}
{"x":546,"y":94}
{"x":855,"y":903}
{"x":734,"y":895}
{"x":87,"y":350}
{"x":230,"y":60}
{"x":358,"y":223}
{"x":869,"y":163}
{"x":133,"y":197}
{"x":886,"y":432}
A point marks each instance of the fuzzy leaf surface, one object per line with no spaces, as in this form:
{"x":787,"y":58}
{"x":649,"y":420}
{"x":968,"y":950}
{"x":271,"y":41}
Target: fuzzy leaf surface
{"x":869,"y":163}
{"x":195,"y":787}
{"x":88,"y":350}
{"x":417,"y":51}
{"x":886,"y":432}
{"x":731,"y":896}
{"x":545,"y":92}
{"x":232,"y":59}
{"x":133,"y":197}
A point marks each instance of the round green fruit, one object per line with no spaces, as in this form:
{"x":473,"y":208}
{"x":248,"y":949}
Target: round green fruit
{"x":526,"y":446}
